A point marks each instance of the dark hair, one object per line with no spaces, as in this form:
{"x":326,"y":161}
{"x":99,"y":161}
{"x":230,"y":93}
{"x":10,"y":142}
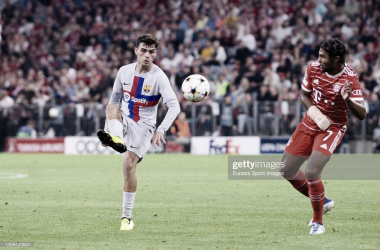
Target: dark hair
{"x":335,"y":47}
{"x":148,"y":39}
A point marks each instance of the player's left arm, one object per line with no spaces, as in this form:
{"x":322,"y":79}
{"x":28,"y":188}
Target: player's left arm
{"x":352,"y":95}
{"x":170,"y":100}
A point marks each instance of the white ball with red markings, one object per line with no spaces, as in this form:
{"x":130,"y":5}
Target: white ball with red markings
{"x":195,"y":88}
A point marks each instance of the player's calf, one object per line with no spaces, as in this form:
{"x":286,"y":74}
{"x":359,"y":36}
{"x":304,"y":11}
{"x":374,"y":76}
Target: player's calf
{"x":327,"y":206}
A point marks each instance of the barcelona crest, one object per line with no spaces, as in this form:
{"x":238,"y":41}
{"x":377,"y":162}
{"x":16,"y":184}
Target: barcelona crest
{"x":147,"y":88}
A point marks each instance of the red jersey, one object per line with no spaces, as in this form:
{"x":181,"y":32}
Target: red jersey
{"x":325,"y":91}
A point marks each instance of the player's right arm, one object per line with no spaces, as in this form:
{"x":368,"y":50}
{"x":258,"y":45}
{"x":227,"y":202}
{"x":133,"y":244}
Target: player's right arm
{"x":313,"y":112}
{"x":305,"y":99}
{"x":117,"y":91}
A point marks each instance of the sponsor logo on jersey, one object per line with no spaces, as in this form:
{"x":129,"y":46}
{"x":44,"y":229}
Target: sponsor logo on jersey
{"x":147,"y":88}
{"x":357,"y":92}
{"x":128,"y":98}
{"x":336,"y":88}
{"x":317,"y":95}
{"x":324,"y":146}
{"x":316,"y":81}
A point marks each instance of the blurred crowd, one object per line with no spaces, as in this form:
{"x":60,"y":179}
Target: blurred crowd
{"x":69,"y":51}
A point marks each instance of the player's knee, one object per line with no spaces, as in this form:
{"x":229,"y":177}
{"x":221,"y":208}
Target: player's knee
{"x":286,"y":168}
{"x":129,"y":168}
{"x":113,"y":112}
{"x":287,"y":172}
{"x":312,"y":173}
{"x":283,"y":169}
{"x":111,"y":108}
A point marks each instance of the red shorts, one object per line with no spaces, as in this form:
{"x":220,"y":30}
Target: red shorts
{"x":309,"y":137}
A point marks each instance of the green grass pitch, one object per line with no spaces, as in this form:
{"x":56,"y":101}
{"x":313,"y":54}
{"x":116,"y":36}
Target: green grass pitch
{"x":182,"y":202}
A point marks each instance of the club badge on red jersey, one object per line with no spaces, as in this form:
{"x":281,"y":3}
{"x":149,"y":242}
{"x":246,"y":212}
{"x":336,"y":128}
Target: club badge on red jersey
{"x":336,"y":88}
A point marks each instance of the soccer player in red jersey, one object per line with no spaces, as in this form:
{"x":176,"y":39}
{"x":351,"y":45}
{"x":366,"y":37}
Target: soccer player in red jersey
{"x":330,"y":87}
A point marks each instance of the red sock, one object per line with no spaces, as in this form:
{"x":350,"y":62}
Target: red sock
{"x":299,"y":182}
{"x":317,"y":198}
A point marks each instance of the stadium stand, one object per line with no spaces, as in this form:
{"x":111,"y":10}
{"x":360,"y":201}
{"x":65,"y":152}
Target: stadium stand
{"x":59,"y":58}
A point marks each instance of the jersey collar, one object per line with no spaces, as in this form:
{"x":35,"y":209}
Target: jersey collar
{"x":339,"y":74}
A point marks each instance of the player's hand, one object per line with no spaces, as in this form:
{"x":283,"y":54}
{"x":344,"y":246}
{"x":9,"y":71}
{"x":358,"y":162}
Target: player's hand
{"x":319,"y":118}
{"x":157,"y":138}
{"x":346,"y":90}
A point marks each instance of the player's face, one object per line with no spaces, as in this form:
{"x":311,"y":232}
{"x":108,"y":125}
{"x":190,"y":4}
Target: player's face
{"x":145,"y":54}
{"x":324,"y":61}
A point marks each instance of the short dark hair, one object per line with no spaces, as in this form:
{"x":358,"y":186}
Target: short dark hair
{"x":335,"y":47}
{"x":148,"y":39}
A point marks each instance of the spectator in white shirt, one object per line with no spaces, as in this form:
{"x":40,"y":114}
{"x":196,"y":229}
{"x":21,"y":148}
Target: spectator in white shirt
{"x":249,"y":40}
{"x":5,"y":100}
{"x":221,"y":54}
{"x":168,"y":62}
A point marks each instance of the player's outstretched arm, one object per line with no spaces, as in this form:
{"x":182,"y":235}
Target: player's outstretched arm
{"x":313,"y":112}
{"x":357,"y":108}
{"x":170,"y":100}
{"x":173,"y":111}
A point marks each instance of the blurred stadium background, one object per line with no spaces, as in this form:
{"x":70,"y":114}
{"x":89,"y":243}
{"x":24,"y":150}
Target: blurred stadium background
{"x":59,"y":59}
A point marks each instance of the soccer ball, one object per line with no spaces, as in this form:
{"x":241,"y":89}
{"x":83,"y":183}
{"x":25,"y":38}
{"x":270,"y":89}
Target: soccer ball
{"x":195,"y":88}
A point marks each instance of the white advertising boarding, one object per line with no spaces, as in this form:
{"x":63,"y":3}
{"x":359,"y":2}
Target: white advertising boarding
{"x":83,"y":145}
{"x":208,"y":145}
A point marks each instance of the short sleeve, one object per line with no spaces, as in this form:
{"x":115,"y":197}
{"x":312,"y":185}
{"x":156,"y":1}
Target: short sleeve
{"x":306,"y":83}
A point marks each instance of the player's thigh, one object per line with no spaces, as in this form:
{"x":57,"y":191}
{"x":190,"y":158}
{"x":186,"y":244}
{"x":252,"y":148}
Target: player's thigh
{"x":327,"y":141}
{"x":301,"y":142}
{"x":138,"y":138}
{"x":113,"y":112}
{"x":291,"y":164}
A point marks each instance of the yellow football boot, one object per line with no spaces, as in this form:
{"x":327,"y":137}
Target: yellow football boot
{"x":113,"y":141}
{"x":126,"y":224}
